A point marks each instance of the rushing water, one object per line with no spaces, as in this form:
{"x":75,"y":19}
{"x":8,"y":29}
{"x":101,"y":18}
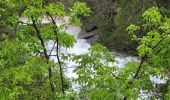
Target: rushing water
{"x":81,"y":47}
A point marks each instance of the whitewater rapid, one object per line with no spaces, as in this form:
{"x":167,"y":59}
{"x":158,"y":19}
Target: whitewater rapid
{"x":82,"y":47}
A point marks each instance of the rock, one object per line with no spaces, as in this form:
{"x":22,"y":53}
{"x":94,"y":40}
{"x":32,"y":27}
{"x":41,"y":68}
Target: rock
{"x":102,"y":18}
{"x":91,"y":37}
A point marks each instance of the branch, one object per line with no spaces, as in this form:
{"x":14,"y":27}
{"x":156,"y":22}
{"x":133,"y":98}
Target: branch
{"x":40,"y":38}
{"x":141,"y":63}
{"x":45,"y":52}
{"x":143,"y":59}
{"x":57,"y":51}
{"x":50,"y":53}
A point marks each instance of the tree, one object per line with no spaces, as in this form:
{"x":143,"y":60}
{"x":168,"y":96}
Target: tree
{"x":26,"y":69}
{"x":101,"y":80}
{"x":27,"y":72}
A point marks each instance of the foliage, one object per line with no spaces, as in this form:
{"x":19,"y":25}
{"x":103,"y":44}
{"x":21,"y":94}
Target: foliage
{"x":102,"y":19}
{"x":100,"y":79}
{"x":128,"y":12}
{"x":154,"y":43}
{"x":79,"y":9}
{"x":26,"y":71}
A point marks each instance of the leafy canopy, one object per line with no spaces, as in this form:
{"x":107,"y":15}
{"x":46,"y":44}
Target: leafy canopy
{"x":26,"y":71}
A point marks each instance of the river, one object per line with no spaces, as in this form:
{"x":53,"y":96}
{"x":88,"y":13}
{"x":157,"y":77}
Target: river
{"x":81,"y":47}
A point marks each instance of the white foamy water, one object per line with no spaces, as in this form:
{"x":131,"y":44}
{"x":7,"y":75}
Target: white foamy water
{"x":81,"y":47}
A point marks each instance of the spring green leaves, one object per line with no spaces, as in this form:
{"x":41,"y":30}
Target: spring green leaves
{"x":152,"y":17}
{"x":153,"y":44}
{"x":100,"y":79}
{"x":26,"y":72}
{"x":56,"y":10}
{"x":78,"y":9}
{"x":156,"y":27}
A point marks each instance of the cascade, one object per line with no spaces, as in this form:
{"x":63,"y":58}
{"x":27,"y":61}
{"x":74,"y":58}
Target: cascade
{"x":81,"y":47}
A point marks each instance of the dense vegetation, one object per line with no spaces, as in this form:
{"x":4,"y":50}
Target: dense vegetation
{"x":27,"y":71}
{"x":112,"y":17}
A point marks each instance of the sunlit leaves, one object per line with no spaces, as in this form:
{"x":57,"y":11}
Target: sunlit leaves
{"x":165,"y":26}
{"x":95,"y":73}
{"x":47,"y":32}
{"x":33,"y":12}
{"x":131,"y":29}
{"x":152,"y":17}
{"x":56,"y":10}
{"x":78,"y":9}
{"x":23,"y":65}
{"x":66,"y":40}
{"x":153,"y":47}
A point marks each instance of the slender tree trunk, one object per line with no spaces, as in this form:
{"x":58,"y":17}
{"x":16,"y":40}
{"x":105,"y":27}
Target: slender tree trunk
{"x":57,"y":51}
{"x":45,"y":53}
{"x":141,"y":63}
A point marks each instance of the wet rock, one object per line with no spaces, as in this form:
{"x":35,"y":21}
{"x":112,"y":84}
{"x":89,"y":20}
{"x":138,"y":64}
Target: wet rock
{"x":91,"y":36}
